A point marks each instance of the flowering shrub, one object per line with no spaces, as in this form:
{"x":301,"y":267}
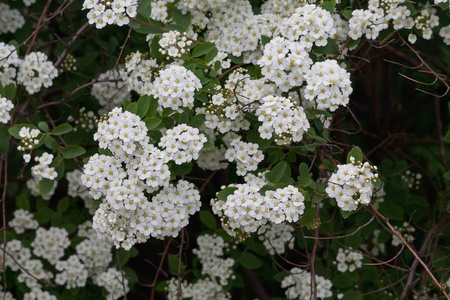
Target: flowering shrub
{"x":217,"y":149}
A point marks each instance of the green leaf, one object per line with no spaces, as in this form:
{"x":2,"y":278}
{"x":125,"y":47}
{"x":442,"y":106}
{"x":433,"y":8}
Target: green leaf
{"x":181,"y":169}
{"x":265,"y":39}
{"x":347,"y":14}
{"x":132,"y":107}
{"x":249,"y":261}
{"x":146,"y":8}
{"x":345,"y":214}
{"x":278,"y":171}
{"x":447,"y":137}
{"x":197,"y":120}
{"x":152,"y":123}
{"x":72,"y":151}
{"x":342,"y":281}
{"x":210,"y":56}
{"x":391,"y":211}
{"x":43,"y":215}
{"x":45,"y":186}
{"x":329,"y":6}
{"x":308,"y":217}
{"x":9,"y":91}
{"x":208,"y":219}
{"x":14,"y":131}
{"x":174,"y":262}
{"x":330,"y":48}
{"x":23,"y":202}
{"x":143,"y":104}
{"x":124,"y":256}
{"x":147,"y":29}
{"x":223,"y":194}
{"x":42,"y":125}
{"x":50,"y":143}
{"x":62,"y":129}
{"x":352,"y":295}
{"x":184,"y":20}
{"x":202,"y":49}
{"x":63,"y":204}
{"x":4,"y":142}
{"x":71,"y":228}
{"x":356,"y":152}
{"x":153,"y":107}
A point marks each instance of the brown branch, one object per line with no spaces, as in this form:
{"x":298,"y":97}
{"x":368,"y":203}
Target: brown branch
{"x":153,"y":285}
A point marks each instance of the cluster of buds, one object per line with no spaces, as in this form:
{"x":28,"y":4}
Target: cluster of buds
{"x":174,"y":44}
{"x":412,"y":179}
{"x":85,"y":120}
{"x":28,"y":141}
{"x":68,"y":64}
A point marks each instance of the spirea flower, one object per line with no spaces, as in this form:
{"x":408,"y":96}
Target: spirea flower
{"x":175,"y":87}
{"x":10,"y":19}
{"x":43,"y":169}
{"x":22,"y":220}
{"x":352,"y":184}
{"x":50,"y":244}
{"x":73,"y":273}
{"x":35,"y":72}
{"x":174,"y":44}
{"x":275,"y":237}
{"x":5,"y":107}
{"x":114,"y":282}
{"x":348,"y":260}
{"x":182,"y":143}
{"x":298,"y":285}
{"x":137,"y":74}
{"x":328,"y":85}
{"x":117,"y":12}
{"x":9,"y":62}
{"x":246,"y":155}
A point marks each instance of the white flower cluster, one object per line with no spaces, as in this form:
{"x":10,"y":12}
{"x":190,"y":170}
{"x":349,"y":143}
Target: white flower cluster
{"x":219,"y":270}
{"x":412,"y":179}
{"x":29,"y":2}
{"x":114,"y":282}
{"x":93,"y":252}
{"x":406,"y":231}
{"x":43,"y":169}
{"x":110,"y":90}
{"x":310,"y":25}
{"x":182,"y":143}
{"x":281,"y":117}
{"x":212,"y":159}
{"x":245,"y":210}
{"x":174,"y":44}
{"x":6,"y":295}
{"x":348,"y":260}
{"x":85,"y":120}
{"x":159,"y":9}
{"x":328,"y":85}
{"x":276,"y":236}
{"x":50,"y":244}
{"x":352,"y":184}
{"x":444,"y":32}
{"x":107,"y":12}
{"x":35,"y":72}
{"x":137,"y":74}
{"x":5,"y":107}
{"x":9,"y":62}
{"x":246,"y":155}
{"x":298,"y":285}
{"x":425,"y":21}
{"x":175,"y":87}
{"x":23,"y":219}
{"x":73,"y":273}
{"x":29,"y":138}
{"x":284,"y":63}
{"x":10,"y":19}
{"x":38,"y":294}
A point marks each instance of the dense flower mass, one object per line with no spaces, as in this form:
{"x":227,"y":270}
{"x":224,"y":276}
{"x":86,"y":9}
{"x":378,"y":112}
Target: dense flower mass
{"x":35,"y":72}
{"x":348,"y":260}
{"x":298,"y":285}
{"x":10,"y":19}
{"x":9,"y":62}
{"x":352,"y":184}
{"x":110,"y":91}
{"x":117,"y":12}
{"x":5,"y":107}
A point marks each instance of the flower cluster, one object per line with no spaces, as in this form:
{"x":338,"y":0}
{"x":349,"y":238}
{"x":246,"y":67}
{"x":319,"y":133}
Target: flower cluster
{"x":50,"y":244}
{"x":85,"y":120}
{"x":298,"y":285}
{"x":352,"y":184}
{"x":137,"y":74}
{"x":10,"y":19}
{"x":5,"y":107}
{"x":68,"y":64}
{"x":246,"y":209}
{"x":284,"y":63}
{"x":217,"y":269}
{"x":75,"y":188}
{"x":34,"y":186}
{"x":276,"y":236}
{"x":38,"y":294}
{"x":22,"y":220}
{"x":328,"y":85}
{"x":109,"y":90}
{"x":117,"y":12}
{"x":348,"y":260}
{"x":114,"y":282}
{"x":212,"y":159}
{"x":174,"y":44}
{"x":9,"y":62}
{"x":73,"y":273}
{"x":444,"y":32}
{"x":406,"y":231}
{"x":281,"y":118}
{"x":412,"y":179}
{"x":43,"y":169}
{"x":29,"y":139}
{"x":182,"y":143}
{"x":175,"y":87}
{"x":35,"y":72}
{"x":246,"y":155}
